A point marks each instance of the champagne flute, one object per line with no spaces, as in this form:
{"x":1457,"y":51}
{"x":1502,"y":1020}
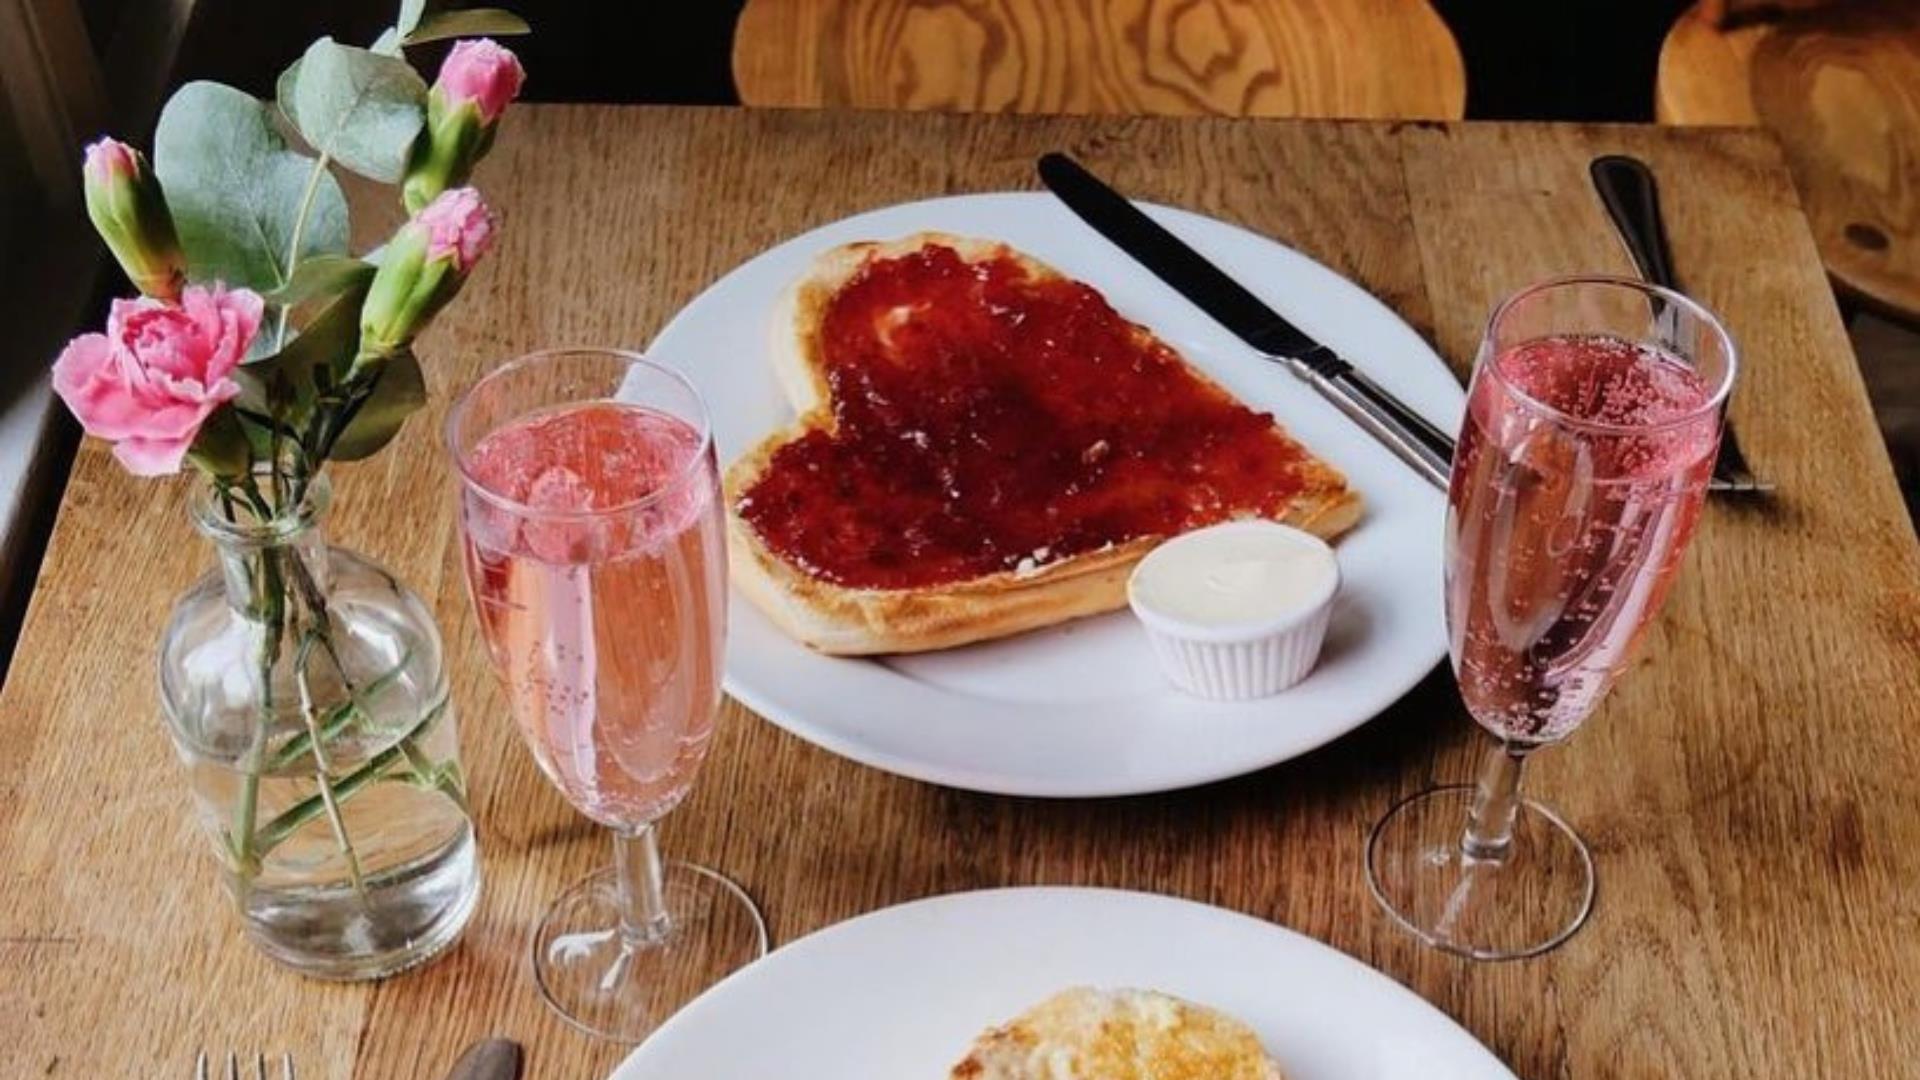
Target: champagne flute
{"x":591,"y":518}
{"x":1591,"y":426}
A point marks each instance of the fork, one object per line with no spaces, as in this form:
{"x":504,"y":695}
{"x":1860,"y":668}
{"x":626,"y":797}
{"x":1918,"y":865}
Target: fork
{"x":203,"y":1068}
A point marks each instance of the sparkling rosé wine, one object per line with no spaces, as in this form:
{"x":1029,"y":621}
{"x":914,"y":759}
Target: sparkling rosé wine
{"x":1565,"y":532}
{"x":602,"y":598}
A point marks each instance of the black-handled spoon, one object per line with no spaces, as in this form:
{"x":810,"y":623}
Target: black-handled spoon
{"x":1627,"y":190}
{"x":489,"y":1059}
{"x":1632,"y":200}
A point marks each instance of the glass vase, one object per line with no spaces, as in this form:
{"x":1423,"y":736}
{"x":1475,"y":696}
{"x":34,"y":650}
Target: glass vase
{"x":305,"y":689}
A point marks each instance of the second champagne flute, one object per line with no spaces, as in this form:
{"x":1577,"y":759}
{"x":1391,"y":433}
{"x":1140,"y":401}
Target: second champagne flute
{"x":1583,"y":460}
{"x":592,"y":523}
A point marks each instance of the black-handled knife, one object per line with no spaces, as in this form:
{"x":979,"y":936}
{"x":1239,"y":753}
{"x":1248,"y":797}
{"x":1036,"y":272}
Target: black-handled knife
{"x":1627,"y":190}
{"x":1424,"y":447}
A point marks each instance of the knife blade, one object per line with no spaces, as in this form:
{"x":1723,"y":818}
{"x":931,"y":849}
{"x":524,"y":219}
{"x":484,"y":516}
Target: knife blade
{"x":489,"y":1059}
{"x":1626,"y":188}
{"x":1421,"y":445}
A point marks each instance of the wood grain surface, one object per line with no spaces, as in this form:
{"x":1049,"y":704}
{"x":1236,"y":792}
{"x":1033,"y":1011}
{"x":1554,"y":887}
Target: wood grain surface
{"x":1747,"y":789}
{"x":1839,"y":86}
{"x":1841,"y":91}
{"x":1705,"y":68}
{"x":1389,"y":59}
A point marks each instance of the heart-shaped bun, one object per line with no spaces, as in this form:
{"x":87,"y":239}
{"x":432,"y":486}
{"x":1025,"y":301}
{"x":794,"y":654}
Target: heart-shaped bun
{"x":983,"y":447}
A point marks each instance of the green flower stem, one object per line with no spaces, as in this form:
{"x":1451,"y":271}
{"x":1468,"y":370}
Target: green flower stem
{"x":334,"y":422}
{"x":444,"y":778}
{"x":293,"y":817}
{"x":417,"y":760}
{"x":248,"y":489}
{"x":331,"y":726}
{"x":322,"y":766}
{"x":448,"y":782}
{"x":293,"y":240}
{"x":273,"y":463}
{"x":338,"y":718}
{"x":331,"y":415}
{"x":273,"y":613}
{"x":306,"y":210}
{"x":340,"y":839}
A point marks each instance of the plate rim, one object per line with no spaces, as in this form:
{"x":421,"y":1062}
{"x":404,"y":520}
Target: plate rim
{"x":825,"y":936}
{"x":969,"y":778}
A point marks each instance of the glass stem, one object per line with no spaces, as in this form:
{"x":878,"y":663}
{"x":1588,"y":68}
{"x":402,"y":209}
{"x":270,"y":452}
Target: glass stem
{"x":1489,"y":835}
{"x":639,"y":878}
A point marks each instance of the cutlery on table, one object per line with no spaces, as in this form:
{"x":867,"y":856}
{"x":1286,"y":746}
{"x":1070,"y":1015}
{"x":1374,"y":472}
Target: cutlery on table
{"x":1424,"y":447}
{"x":488,"y":1059}
{"x":204,"y":1067}
{"x":1627,"y":189}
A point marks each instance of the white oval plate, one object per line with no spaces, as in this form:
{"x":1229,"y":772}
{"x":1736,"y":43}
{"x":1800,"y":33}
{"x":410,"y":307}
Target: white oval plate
{"x":1081,"y":709}
{"x":903,"y":991}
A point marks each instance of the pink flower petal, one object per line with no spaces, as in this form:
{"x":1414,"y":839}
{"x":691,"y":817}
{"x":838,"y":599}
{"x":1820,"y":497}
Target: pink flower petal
{"x":484,"y":72}
{"x":151,"y":381}
{"x":109,"y":159}
{"x":89,"y":378}
{"x":152,"y":457}
{"x":459,"y":226}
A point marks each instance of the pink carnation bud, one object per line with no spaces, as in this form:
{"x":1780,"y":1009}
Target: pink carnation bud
{"x":110,"y":159}
{"x":459,"y":226}
{"x":422,"y":268}
{"x":484,"y":72}
{"x":127,"y":208}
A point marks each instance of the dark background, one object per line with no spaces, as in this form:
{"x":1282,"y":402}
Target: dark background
{"x":1525,"y":59}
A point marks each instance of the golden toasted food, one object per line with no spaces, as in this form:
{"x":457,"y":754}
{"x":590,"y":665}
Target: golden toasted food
{"x":1089,"y":1034}
{"x":985,"y":446}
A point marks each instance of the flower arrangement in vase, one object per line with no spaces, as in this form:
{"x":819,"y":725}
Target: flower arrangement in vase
{"x":302,"y":684}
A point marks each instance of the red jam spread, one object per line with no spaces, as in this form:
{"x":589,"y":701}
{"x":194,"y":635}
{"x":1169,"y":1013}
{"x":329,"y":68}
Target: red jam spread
{"x":986,"y":420}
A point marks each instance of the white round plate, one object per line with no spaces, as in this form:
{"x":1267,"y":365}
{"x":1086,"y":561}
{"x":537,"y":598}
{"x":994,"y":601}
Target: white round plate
{"x":902,"y":992}
{"x":1081,"y":709}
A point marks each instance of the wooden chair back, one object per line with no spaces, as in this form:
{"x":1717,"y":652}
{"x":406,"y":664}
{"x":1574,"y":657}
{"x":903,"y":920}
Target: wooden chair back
{"x":1838,"y":83}
{"x":1349,"y":58}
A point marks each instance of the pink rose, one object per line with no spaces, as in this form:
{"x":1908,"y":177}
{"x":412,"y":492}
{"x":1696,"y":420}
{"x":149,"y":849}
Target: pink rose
{"x":458,"y":226}
{"x":151,"y":380}
{"x":484,"y":72}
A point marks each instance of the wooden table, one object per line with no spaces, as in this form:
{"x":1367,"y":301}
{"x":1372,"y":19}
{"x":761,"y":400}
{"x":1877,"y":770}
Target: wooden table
{"x":1748,"y":789}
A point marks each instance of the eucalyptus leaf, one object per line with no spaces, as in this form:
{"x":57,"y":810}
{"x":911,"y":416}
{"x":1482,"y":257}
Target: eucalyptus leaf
{"x":473,"y":22}
{"x":400,"y":391}
{"x":259,"y":435}
{"x":234,"y":189}
{"x":283,"y":92}
{"x":220,"y":448}
{"x":388,"y":43}
{"x":311,"y":362}
{"x":409,"y":16}
{"x":322,"y":275}
{"x":264,"y":342}
{"x":358,"y":107}
{"x":254,"y":398}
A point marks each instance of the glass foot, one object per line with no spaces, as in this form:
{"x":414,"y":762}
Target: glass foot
{"x":619,"y":987}
{"x":1521,"y":904}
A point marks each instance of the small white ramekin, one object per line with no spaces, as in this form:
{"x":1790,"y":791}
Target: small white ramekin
{"x":1238,"y":661}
